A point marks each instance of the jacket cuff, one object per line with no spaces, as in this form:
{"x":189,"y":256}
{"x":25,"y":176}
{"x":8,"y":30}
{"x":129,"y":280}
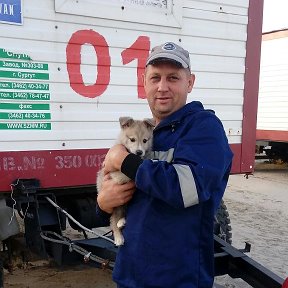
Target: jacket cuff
{"x":101,"y":213}
{"x":130,"y":165}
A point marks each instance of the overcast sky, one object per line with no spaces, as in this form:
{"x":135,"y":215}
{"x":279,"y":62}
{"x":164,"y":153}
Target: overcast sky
{"x":275,"y":15}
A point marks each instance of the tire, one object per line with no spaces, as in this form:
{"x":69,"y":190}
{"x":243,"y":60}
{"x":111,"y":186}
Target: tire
{"x":222,"y":223}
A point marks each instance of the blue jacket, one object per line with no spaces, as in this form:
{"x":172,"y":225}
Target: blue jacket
{"x":169,"y":229}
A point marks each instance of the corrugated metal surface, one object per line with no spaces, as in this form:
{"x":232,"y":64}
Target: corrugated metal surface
{"x":273,"y":86}
{"x":213,"y":31}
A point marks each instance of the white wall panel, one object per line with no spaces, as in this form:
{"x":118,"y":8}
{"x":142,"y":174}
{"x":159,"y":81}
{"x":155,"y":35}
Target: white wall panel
{"x":207,"y":29}
{"x":238,"y":7}
{"x":273,"y":87}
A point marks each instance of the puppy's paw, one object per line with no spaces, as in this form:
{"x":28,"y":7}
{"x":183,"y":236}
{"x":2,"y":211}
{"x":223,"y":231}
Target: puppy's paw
{"x":119,"y":240}
{"x":121,"y":223}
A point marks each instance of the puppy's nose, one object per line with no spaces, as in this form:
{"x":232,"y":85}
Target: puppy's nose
{"x":139,"y":152}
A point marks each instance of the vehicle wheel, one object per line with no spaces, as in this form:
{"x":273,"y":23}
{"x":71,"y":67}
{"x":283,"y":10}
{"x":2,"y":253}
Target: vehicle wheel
{"x":222,"y":223}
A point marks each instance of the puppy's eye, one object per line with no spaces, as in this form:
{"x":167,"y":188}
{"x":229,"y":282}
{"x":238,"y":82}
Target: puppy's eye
{"x":145,"y":140}
{"x":132,"y":139}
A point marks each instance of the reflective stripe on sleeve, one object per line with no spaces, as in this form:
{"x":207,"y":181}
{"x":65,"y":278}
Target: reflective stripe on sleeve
{"x":163,"y":155}
{"x":187,"y":185}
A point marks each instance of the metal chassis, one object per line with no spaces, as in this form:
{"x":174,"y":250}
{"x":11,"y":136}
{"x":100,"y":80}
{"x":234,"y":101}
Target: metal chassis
{"x":228,"y":260}
{"x":235,"y":263}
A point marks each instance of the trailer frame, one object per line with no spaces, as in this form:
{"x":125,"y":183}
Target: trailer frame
{"x":100,"y":252}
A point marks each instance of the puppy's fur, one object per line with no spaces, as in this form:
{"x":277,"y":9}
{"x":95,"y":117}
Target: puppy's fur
{"x":136,"y":136}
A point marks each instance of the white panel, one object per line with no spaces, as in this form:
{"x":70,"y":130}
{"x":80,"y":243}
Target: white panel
{"x":218,"y":96}
{"x":238,"y":7}
{"x":64,"y":131}
{"x":273,"y":90}
{"x":218,"y":81}
{"x":97,"y":112}
{"x":215,"y":16}
{"x":215,"y":47}
{"x":209,"y":63}
{"x":219,"y":30}
{"x":278,"y":97}
{"x":36,"y":9}
{"x":268,"y":89}
{"x":236,"y":3}
{"x":165,"y":15}
{"x":208,"y":32}
{"x":56,"y":145}
{"x":268,"y":124}
{"x":233,"y":131}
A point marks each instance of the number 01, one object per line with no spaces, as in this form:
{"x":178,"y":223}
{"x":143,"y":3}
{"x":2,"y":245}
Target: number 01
{"x":139,"y":50}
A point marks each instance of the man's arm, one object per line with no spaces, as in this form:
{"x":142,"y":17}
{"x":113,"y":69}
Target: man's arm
{"x":198,"y":170}
{"x":113,"y":195}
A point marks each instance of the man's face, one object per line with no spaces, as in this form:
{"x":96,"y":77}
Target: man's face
{"x":166,"y":87}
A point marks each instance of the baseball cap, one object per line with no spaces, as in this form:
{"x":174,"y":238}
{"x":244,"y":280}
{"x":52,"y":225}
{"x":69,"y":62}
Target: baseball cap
{"x":169,"y":51}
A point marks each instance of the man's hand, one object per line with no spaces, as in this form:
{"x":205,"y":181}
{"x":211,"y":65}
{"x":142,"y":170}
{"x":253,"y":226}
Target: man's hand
{"x":113,"y":195}
{"x":114,"y":158}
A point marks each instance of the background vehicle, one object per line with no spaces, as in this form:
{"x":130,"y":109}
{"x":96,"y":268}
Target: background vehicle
{"x":69,"y":69}
{"x":272,"y":118}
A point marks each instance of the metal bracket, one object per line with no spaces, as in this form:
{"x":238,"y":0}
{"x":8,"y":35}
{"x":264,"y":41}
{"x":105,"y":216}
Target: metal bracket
{"x":23,"y":192}
{"x":231,"y":261}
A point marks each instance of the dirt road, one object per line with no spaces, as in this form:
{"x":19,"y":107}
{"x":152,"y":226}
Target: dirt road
{"x":259,"y":215}
{"x":258,"y":209}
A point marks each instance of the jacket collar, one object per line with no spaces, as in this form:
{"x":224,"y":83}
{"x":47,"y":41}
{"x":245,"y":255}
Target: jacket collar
{"x":174,"y":118}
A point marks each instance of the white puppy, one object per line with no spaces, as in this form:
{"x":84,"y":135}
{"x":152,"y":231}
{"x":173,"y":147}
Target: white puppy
{"x":136,"y":136}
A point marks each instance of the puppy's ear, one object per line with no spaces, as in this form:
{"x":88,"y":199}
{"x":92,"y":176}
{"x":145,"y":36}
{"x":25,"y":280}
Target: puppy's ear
{"x":150,"y":123}
{"x":126,"y":121}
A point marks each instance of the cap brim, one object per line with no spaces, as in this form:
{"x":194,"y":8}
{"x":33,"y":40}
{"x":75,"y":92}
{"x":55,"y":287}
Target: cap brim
{"x":167,"y":56}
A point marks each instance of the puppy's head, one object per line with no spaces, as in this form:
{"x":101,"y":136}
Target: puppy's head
{"x":136,"y":135}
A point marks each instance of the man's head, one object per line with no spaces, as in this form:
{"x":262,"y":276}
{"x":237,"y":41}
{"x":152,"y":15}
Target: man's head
{"x":167,"y":79}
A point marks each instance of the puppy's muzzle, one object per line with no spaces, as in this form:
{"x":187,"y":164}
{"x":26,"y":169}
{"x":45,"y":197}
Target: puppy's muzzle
{"x":139,"y":152}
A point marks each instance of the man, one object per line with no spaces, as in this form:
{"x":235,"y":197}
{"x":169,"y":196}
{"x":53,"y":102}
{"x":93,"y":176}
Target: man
{"x":169,"y":229}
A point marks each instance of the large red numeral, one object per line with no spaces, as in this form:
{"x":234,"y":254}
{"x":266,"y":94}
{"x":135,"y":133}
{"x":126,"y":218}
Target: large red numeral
{"x":139,"y":50}
{"x":73,"y":52}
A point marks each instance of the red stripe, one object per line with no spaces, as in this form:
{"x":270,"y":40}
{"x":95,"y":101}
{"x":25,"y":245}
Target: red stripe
{"x":62,"y":168}
{"x":285,"y":284}
{"x":272,"y":135}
